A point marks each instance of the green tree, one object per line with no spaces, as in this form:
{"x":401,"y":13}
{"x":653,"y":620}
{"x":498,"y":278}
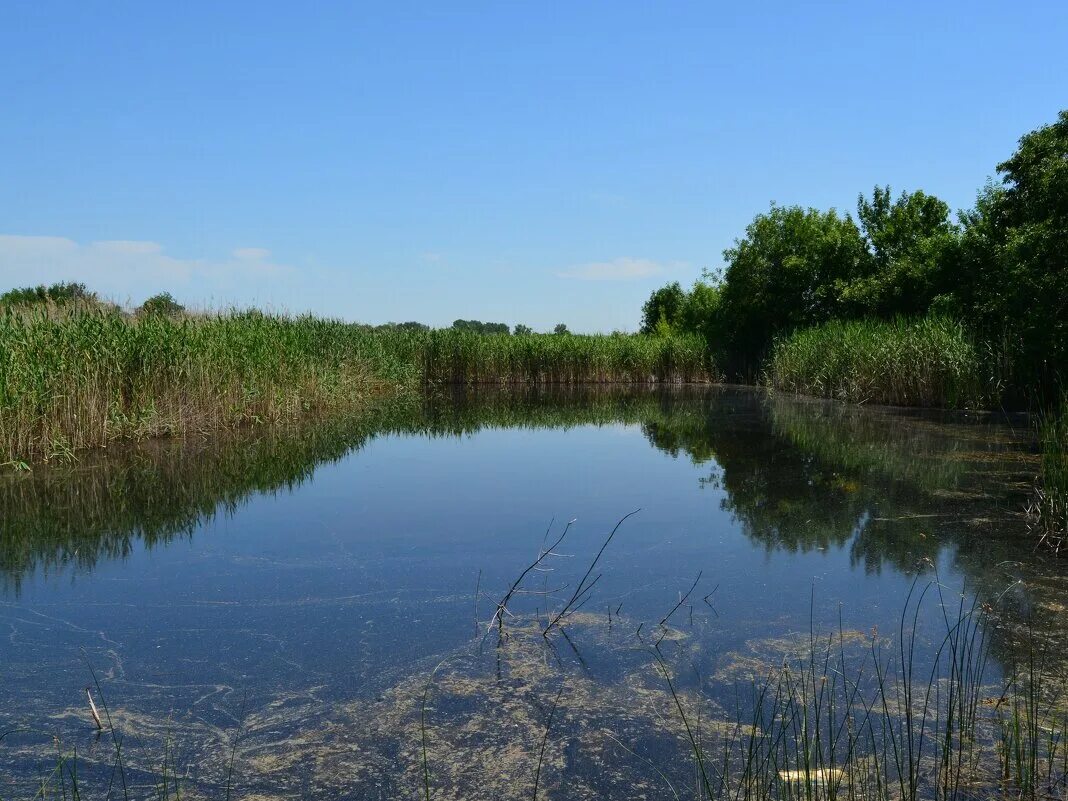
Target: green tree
{"x":910,"y":242}
{"x":560,"y":328}
{"x":163,"y":304}
{"x":479,"y":327}
{"x":522,"y":330}
{"x":58,"y":294}
{"x":663,"y":309}
{"x":701,"y":312}
{"x":1012,"y":279}
{"x":786,"y":272}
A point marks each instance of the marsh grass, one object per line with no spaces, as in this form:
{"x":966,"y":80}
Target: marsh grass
{"x":73,"y":377}
{"x":929,"y":362}
{"x":900,"y":725}
{"x":71,"y":380}
{"x":1048,"y":510}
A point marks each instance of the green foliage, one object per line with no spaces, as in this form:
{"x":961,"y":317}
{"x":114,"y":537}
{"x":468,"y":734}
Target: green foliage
{"x":521,"y":330}
{"x":1003,"y":272}
{"x":701,"y":312}
{"x":663,"y":310}
{"x":411,"y":325}
{"x":560,"y":328}
{"x":928,"y":361}
{"x":1014,"y":258}
{"x":785,"y":273}
{"x":460,"y":357}
{"x":671,"y":310}
{"x":90,"y":375}
{"x":479,"y":327}
{"x":910,"y":242}
{"x":57,"y":294}
{"x":1048,"y":510}
{"x":163,"y":303}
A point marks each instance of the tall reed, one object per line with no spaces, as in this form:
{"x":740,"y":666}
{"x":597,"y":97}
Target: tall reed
{"x":901,"y":725}
{"x":1047,"y":511}
{"x":929,"y":361}
{"x":81,"y":376}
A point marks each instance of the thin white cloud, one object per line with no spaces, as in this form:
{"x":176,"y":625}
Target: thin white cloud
{"x":624,"y":269}
{"x":251,"y":254}
{"x":132,"y":270}
{"x":125,"y":247}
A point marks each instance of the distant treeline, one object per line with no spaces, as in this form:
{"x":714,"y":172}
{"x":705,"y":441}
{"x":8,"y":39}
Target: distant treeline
{"x":476,"y":327}
{"x":77,"y":294}
{"x":994,"y":276}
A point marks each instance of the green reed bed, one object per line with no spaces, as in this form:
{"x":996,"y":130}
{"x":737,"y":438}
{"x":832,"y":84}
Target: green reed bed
{"x":929,"y":361}
{"x":461,"y":357}
{"x":69,"y":380}
{"x":72,"y":378}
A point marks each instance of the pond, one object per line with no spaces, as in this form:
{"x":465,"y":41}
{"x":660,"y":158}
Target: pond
{"x":312,"y":611}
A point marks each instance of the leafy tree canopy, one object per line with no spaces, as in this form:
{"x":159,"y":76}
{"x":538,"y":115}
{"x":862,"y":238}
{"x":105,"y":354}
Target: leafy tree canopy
{"x":479,"y":327}
{"x":663,"y":309}
{"x":56,"y":293}
{"x":1013,"y":269}
{"x":909,"y":241}
{"x":786,"y":272}
{"x":161,"y":304}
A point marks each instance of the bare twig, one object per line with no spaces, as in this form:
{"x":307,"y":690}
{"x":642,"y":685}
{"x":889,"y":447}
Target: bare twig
{"x":502,"y":605}
{"x":581,"y":594}
{"x":682,"y":599}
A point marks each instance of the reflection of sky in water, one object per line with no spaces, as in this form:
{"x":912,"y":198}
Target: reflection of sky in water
{"x":366,"y":574}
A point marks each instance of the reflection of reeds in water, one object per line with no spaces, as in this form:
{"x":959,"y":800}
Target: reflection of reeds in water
{"x":910,"y":447}
{"x":104,"y":505}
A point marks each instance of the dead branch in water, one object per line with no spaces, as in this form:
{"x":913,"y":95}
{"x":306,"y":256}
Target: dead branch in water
{"x":582,"y":591}
{"x":543,"y":554}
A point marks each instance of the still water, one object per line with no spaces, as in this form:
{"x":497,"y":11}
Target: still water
{"x":283,"y":598}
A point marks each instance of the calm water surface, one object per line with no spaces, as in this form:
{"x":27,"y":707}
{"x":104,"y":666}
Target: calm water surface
{"x":291,"y":590}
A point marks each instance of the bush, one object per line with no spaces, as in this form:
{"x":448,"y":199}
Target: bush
{"x":163,"y":303}
{"x":58,"y":294}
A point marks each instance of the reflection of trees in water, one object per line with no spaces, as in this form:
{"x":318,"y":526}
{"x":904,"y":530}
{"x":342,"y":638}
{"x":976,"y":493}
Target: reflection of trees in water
{"x":797,"y":475}
{"x":899,"y":489}
{"x":805,"y":475}
{"x":155,"y":491}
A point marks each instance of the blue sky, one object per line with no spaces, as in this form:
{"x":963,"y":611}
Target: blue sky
{"x":535,"y":163}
